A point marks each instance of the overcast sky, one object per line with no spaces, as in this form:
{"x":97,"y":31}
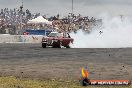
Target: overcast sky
{"x":63,"y":7}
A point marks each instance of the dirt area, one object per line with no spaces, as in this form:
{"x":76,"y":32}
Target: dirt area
{"x":32,"y":61}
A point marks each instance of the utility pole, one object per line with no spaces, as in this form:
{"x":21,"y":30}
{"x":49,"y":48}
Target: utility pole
{"x":21,"y":12}
{"x":72,"y":7}
{"x":21,"y":7}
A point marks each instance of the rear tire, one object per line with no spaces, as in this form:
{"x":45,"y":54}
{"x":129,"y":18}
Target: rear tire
{"x":67,"y":46}
{"x":44,"y":45}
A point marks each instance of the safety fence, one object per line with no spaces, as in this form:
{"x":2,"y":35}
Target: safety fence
{"x":20,"y":38}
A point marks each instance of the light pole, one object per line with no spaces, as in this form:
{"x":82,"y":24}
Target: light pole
{"x":72,"y":6}
{"x":21,"y":12}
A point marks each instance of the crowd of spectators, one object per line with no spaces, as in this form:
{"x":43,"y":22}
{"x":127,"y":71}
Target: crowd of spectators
{"x":12,"y":21}
{"x":74,"y":22}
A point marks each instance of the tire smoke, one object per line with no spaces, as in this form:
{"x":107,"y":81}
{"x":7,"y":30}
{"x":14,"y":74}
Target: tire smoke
{"x":115,"y":32}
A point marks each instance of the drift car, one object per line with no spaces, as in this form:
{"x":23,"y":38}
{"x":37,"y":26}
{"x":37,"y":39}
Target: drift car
{"x":57,"y":40}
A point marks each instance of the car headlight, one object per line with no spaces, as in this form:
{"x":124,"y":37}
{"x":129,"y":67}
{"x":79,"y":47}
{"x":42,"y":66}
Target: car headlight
{"x":44,"y":40}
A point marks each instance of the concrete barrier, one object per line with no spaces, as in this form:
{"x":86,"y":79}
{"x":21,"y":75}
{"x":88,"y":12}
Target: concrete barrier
{"x":20,"y":38}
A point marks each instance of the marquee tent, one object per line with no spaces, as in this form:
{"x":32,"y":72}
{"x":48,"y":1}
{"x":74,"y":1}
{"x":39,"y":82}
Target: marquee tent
{"x":40,"y":20}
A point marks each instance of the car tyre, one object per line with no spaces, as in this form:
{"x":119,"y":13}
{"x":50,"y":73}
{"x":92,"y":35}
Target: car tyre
{"x":44,"y":45}
{"x":67,"y":46}
{"x":56,"y":44}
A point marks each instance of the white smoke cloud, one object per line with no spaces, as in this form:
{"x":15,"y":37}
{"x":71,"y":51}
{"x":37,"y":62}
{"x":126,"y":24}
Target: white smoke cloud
{"x":117,"y":33}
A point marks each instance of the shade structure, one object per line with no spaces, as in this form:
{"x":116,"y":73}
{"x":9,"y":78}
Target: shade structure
{"x":40,"y":20}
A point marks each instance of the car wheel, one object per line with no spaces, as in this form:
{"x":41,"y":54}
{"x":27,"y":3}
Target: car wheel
{"x":44,"y":45}
{"x":67,"y":46}
{"x":56,"y":44}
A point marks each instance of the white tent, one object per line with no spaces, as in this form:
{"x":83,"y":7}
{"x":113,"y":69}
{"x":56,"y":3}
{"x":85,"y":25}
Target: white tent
{"x":40,"y":20}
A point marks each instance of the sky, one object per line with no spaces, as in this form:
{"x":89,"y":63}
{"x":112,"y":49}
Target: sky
{"x":63,"y":7}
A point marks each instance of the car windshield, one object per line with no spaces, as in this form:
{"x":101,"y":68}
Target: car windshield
{"x":54,"y":35}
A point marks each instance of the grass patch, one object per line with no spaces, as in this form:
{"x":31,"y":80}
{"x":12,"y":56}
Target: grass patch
{"x":12,"y":82}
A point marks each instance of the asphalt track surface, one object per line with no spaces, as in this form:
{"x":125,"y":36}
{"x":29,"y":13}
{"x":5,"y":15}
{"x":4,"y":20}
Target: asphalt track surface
{"x":32,"y":61}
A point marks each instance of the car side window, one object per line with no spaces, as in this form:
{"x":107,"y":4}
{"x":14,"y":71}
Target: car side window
{"x":59,"y":35}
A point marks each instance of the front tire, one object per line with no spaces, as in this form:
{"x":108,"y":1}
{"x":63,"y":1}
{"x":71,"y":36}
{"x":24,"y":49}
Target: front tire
{"x":44,"y":45}
{"x":56,"y":44}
